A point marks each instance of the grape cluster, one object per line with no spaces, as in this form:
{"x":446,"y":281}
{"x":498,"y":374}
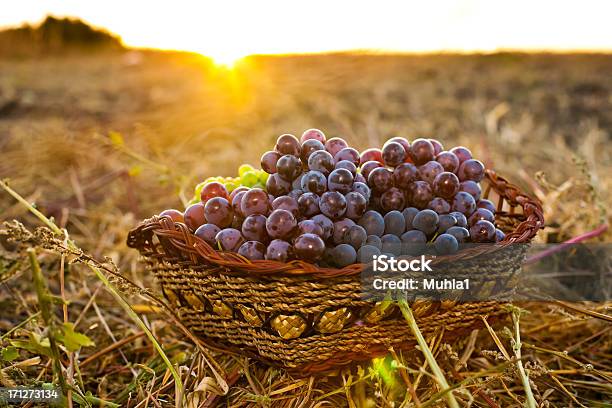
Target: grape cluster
{"x":323,"y":202}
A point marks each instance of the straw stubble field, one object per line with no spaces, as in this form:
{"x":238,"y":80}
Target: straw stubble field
{"x":99,"y":142}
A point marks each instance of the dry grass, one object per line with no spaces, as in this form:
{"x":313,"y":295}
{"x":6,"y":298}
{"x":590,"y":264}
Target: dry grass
{"x":545,"y":121}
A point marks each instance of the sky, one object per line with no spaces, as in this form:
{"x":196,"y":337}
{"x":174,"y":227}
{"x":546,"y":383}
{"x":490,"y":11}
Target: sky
{"x":229,"y":29}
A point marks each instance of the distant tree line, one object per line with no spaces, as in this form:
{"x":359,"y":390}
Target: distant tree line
{"x":56,"y":35}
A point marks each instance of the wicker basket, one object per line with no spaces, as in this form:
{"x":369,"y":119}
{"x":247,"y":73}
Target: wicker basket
{"x":310,"y":319}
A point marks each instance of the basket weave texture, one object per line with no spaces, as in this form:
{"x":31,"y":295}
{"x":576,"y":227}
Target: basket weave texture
{"x":310,"y":319}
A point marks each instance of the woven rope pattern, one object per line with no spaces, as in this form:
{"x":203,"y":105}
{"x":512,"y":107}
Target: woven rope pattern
{"x":312,"y":319}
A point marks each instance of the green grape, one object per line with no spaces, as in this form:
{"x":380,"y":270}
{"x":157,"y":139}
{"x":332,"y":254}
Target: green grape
{"x":263,"y":177}
{"x":231,"y":185}
{"x":245,"y":168}
{"x":258,"y":185}
{"x":249,"y":178}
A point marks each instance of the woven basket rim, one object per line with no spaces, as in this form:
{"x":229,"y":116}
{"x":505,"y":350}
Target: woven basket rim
{"x":196,"y":250}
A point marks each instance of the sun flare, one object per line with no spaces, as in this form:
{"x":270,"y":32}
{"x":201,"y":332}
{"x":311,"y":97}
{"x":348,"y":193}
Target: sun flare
{"x":227,"y":58}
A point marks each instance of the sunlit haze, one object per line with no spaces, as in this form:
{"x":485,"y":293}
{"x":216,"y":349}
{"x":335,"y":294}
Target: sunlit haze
{"x":227,"y":30}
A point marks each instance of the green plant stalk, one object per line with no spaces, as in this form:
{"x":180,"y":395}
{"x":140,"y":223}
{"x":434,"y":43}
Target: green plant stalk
{"x":20,"y":325}
{"x":124,"y":304}
{"x":431,"y":360}
{"x":42,"y":292}
{"x":530,"y":403}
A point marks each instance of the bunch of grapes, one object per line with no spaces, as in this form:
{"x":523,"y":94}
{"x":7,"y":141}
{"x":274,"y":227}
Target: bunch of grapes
{"x":323,"y":202}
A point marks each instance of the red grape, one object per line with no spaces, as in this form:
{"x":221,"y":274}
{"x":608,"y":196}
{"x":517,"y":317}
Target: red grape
{"x":472,"y":187}
{"x":363,"y":189}
{"x":289,"y":167}
{"x":347,"y":165}
{"x":308,"y":147}
{"x":482,"y":231}
{"x":367,"y":167}
{"x":380,"y":180}
{"x":313,"y":134}
{"x":308,"y":204}
{"x":254,"y":228}
{"x":355,"y":236}
{"x":288,"y":144}
{"x":236,"y":191}
{"x":420,"y":194}
{"x":208,"y":232}
{"x":309,"y":227}
{"x":255,"y":201}
{"x":429,"y":171}
{"x":404,"y":175}
{"x":286,"y":203}
{"x":333,"y":204}
{"x":175,"y":215}
{"x":309,"y":247}
{"x":314,"y":182}
{"x":438,"y":148}
{"x":462,"y":153}
{"x":464,"y":203}
{"x":348,"y":153}
{"x":392,"y":199}
{"x":229,"y":239}
{"x":326,"y":224}
{"x":219,"y":211}
{"x":252,"y":250}
{"x":334,"y":145}
{"x":321,"y":160}
{"x":279,"y":250}
{"x":340,"y":180}
{"x":372,"y":154}
{"x":281,"y":224}
{"x":360,"y":179}
{"x":393,"y":154}
{"x":340,"y":228}
{"x":471,"y":170}
{"x":446,"y":184}
{"x":449,"y":161}
{"x":237,"y":201}
{"x":277,"y":186}
{"x":194,"y":216}
{"x":356,"y":205}
{"x":421,"y":151}
{"x":487,"y":204}
{"x":401,"y":140}
{"x":481,"y":214}
{"x":439,"y":205}
{"x":213,"y":189}
{"x":268,"y":161}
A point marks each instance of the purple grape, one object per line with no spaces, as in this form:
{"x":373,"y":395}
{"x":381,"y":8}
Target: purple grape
{"x":446,"y":244}
{"x":333,"y":204}
{"x":393,"y":154}
{"x":366,"y":253}
{"x":461,"y":219}
{"x":297,"y":182}
{"x":218,"y":211}
{"x":195,"y":216}
{"x":277,"y":186}
{"x":175,"y":215}
{"x":404,"y":175}
{"x":375,"y":241}
{"x":471,"y":187}
{"x":326,"y":224}
{"x":355,"y":236}
{"x":392,"y":199}
{"x":349,"y":154}
{"x":322,"y":161}
{"x":429,"y":171}
{"x":439,"y":205}
{"x":486,"y":204}
{"x":380,"y":180}
{"x":445,"y":222}
{"x":255,"y":201}
{"x":289,"y":167}
{"x":449,"y":161}
{"x":373,"y":222}
{"x":391,"y":244}
{"x":295,"y":194}
{"x":340,"y":180}
{"x":413,"y":242}
{"x":229,"y":239}
{"x":281,"y":224}
{"x":356,"y":205}
{"x":421,"y":151}
{"x":288,"y":144}
{"x":372,"y":154}
{"x":309,"y":227}
{"x":308,"y":147}
{"x":286,"y":203}
{"x":401,"y":140}
{"x":367,"y":167}
{"x":347,"y":165}
{"x":340,"y":228}
{"x":471,"y":170}
{"x":420,"y":194}
{"x":363,"y":189}
{"x":481,"y":214}
{"x":279,"y":250}
{"x":360,"y":179}
{"x":344,"y":255}
{"x":409,"y":214}
{"x":268,"y":161}
{"x":394,"y":223}
{"x":461,"y":234}
{"x":252,"y":250}
{"x":254,"y":228}
{"x":309,"y":247}
{"x":464,"y":203}
{"x":308,"y":203}
{"x":208,"y":232}
{"x":438,"y":148}
{"x":446,"y":184}
{"x":482,"y":231}
{"x":314,"y":182}
{"x":313,"y":134}
{"x":334,"y":145}
{"x":499,"y":235}
{"x":426,"y":221}
{"x":462,"y":153}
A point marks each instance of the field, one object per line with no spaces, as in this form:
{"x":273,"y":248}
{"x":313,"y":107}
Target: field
{"x":101,"y":141}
